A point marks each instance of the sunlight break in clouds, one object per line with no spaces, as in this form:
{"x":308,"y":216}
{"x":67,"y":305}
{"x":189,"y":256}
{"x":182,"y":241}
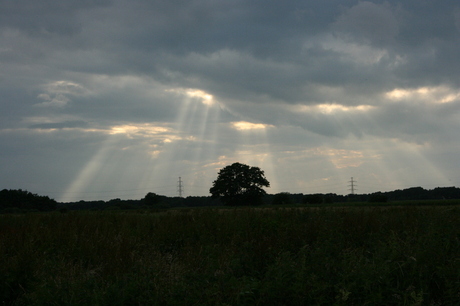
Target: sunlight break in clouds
{"x":128,"y":95}
{"x":144,"y":130}
{"x":254,"y":148}
{"x":331,"y":108}
{"x":204,"y":97}
{"x":245,"y":126}
{"x":196,"y":131}
{"x":439,"y":94}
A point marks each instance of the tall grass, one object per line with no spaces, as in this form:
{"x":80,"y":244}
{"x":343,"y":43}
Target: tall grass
{"x":333,"y":256}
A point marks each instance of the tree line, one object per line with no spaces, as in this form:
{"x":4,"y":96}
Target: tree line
{"x":13,"y":200}
{"x":236,"y":185}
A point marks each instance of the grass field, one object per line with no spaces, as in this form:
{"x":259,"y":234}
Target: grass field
{"x":238,"y":256}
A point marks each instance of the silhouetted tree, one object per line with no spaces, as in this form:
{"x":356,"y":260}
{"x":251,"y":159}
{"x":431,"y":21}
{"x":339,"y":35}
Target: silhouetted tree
{"x":240,"y":184}
{"x":151,"y":199}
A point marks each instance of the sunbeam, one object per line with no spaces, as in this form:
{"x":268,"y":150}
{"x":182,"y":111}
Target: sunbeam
{"x":410,"y":159}
{"x":194,"y":141}
{"x":85,"y":178}
{"x":123,"y":159}
{"x":254,"y":149}
{"x":341,"y":89}
{"x":384,"y":165}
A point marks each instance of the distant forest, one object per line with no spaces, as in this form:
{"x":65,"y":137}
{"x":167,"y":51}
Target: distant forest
{"x":14,"y":200}
{"x":21,"y":200}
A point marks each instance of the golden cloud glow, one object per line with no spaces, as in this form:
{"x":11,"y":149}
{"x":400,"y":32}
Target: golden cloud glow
{"x":439,"y":94}
{"x":399,"y":93}
{"x":140,"y":130}
{"x":205,"y":97}
{"x":332,"y":108}
{"x":246,"y":126}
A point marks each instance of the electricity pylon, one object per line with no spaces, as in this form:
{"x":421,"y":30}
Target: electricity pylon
{"x":179,"y":187}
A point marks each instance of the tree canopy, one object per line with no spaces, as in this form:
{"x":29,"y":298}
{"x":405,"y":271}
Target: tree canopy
{"x":240,"y":184}
{"x":151,"y":199}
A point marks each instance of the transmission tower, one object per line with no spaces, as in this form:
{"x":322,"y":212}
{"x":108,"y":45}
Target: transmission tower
{"x":179,"y":187}
{"x":352,"y":185}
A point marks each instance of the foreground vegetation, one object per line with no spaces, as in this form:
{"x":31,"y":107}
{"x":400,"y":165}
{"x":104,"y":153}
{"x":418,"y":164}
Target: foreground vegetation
{"x":239,"y":256}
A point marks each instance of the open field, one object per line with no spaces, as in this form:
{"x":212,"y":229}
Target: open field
{"x":245,"y":256}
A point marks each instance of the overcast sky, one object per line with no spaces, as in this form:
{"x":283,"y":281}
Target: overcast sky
{"x":104,"y":99}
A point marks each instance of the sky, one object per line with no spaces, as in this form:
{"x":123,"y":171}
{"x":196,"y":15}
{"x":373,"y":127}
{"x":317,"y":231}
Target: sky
{"x":105,"y":99}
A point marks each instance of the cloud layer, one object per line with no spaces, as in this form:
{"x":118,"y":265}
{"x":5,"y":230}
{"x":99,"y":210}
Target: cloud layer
{"x":116,"y":98}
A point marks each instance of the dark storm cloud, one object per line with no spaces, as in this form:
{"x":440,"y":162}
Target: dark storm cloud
{"x":241,"y":51}
{"x":214,"y":43}
{"x":44,"y":17}
{"x":237,"y":51}
{"x":369,"y":23}
{"x":181,"y":27}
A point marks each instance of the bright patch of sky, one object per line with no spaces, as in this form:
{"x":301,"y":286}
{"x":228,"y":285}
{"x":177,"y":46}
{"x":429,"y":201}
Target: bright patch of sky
{"x":115,"y":99}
